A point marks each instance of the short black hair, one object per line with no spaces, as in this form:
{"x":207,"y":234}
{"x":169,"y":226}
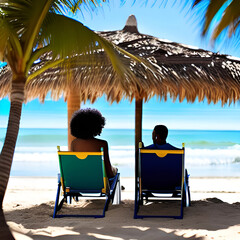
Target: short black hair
{"x":162,"y":131}
{"x":87,"y":123}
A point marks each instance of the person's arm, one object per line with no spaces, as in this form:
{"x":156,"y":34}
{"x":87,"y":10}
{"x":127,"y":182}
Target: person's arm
{"x":110,"y":170}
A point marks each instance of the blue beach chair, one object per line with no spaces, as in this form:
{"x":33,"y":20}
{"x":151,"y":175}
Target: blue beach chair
{"x":83,"y":175}
{"x":161,"y":175}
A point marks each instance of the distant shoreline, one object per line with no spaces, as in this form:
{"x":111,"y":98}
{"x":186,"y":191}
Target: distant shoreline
{"x":144,"y":129}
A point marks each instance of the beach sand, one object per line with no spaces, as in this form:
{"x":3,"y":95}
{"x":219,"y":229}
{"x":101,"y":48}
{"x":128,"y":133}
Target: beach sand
{"x":213,"y":214}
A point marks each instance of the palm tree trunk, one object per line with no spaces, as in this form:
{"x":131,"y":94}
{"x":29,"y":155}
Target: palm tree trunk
{"x":6,"y":157}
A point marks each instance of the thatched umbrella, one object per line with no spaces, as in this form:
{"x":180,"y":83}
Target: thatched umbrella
{"x":179,"y":71}
{"x":184,"y":72}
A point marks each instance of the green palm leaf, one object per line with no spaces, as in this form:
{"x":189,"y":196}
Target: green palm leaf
{"x":226,"y":12}
{"x":213,"y":8}
{"x":9,"y":42}
{"x":59,"y":31}
{"x":229,"y":19}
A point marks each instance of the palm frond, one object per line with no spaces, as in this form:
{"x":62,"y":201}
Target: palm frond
{"x":220,"y":15}
{"x":25,"y":18}
{"x":36,"y":15}
{"x":36,"y":55}
{"x":230,"y":17}
{"x":16,"y":13}
{"x":67,"y":37}
{"x":3,"y":37}
{"x":58,"y":31}
{"x":212,"y":10}
{"x":9,"y":42}
{"x":64,"y":6}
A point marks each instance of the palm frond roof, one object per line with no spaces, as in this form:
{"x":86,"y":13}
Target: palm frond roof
{"x":183,"y":71}
{"x":176,"y":71}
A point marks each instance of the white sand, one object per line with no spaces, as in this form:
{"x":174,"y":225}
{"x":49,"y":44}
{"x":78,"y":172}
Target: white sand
{"x":214,"y":214}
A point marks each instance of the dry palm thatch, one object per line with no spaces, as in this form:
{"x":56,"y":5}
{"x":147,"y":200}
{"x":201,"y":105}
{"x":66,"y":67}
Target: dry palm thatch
{"x":183,"y":71}
{"x":177,"y":70}
{"x":91,"y":76}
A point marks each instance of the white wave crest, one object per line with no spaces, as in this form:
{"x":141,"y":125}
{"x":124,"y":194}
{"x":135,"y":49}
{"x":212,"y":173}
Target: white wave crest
{"x":36,"y":154}
{"x":217,"y":156}
{"x":125,"y":155}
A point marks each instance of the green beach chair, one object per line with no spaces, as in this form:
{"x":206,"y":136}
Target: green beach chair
{"x":82,"y":174}
{"x":161,"y":176}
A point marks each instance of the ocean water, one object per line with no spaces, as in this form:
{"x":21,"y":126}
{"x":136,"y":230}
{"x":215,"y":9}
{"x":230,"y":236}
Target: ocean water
{"x":208,"y":153}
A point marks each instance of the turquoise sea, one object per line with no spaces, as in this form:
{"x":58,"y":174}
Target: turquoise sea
{"x":208,"y":153}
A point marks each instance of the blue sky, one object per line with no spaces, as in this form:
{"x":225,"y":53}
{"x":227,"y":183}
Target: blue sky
{"x":169,"y":22}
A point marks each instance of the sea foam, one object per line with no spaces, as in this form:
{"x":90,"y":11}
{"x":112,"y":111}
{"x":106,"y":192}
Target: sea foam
{"x":124,"y":155}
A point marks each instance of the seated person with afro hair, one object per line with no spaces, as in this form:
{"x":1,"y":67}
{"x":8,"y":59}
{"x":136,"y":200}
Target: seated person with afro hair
{"x":85,"y":125}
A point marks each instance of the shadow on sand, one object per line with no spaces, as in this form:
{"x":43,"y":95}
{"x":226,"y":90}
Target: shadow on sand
{"x":203,"y":216}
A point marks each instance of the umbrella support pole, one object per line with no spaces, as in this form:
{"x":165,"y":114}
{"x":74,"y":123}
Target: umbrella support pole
{"x":138,"y":135}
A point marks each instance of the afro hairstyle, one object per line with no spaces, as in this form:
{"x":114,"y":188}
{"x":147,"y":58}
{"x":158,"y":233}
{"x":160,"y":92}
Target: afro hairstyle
{"x":87,"y":123}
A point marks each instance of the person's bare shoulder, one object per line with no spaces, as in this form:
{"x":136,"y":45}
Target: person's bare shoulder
{"x":102,"y":143}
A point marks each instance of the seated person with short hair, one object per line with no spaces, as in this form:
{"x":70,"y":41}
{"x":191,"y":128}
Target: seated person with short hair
{"x":159,"y":136}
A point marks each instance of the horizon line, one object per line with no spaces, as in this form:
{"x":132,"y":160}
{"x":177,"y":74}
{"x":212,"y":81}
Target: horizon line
{"x":182,"y":129}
